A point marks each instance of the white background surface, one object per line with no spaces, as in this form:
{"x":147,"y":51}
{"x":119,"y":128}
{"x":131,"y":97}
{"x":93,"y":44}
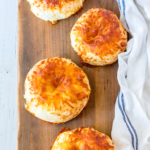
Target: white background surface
{"x":8,"y":74}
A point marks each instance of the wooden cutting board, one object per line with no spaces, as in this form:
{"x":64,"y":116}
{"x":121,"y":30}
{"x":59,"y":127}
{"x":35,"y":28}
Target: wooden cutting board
{"x":37,"y":40}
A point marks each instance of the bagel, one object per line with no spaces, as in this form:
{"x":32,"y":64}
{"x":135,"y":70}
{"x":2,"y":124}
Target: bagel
{"x":98,"y":37}
{"x":53,"y":10}
{"x":56,"y":90}
{"x":82,"y":139}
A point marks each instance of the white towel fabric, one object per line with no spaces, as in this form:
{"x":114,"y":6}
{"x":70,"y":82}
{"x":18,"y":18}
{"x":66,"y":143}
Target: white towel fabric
{"x":131,"y":126}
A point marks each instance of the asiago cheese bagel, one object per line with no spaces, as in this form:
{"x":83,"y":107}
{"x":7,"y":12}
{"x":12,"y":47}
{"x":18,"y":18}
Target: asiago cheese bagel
{"x":82,"y":139}
{"x":53,"y":10}
{"x":98,"y":37}
{"x":56,"y":90}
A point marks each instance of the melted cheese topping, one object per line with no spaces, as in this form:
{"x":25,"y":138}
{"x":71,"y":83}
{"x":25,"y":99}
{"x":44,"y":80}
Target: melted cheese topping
{"x":82,"y":139}
{"x":53,"y":10}
{"x":55,"y":3}
{"x":98,"y":37}
{"x":56,"y":90}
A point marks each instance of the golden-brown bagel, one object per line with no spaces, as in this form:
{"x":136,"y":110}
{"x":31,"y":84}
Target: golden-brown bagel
{"x":98,"y":37}
{"x":56,"y":90}
{"x":53,"y":10}
{"x":82,"y":139}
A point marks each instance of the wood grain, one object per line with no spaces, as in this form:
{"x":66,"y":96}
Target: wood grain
{"x":38,"y":40}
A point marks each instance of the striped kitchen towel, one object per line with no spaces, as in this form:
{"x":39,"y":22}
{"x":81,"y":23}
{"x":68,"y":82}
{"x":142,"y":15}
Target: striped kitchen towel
{"x":131,"y":126}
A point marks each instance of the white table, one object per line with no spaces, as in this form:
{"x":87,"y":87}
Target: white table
{"x":8,"y":74}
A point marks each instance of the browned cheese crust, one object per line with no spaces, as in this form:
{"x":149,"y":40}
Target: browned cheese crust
{"x":56,"y":90}
{"x":98,"y":37}
{"x":82,"y":139}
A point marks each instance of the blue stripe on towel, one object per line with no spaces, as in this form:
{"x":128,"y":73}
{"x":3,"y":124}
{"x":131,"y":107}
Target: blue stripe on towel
{"x":123,"y":104}
{"x":124,"y":118}
{"x":124,"y":7}
{"x":119,"y":4}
